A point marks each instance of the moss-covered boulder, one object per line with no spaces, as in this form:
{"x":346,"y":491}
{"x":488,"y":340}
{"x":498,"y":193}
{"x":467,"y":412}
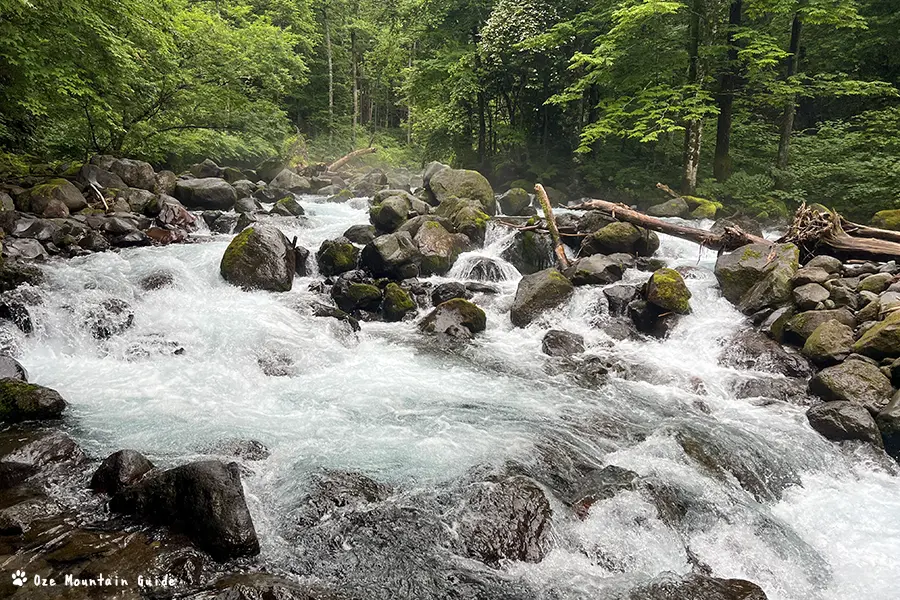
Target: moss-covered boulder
{"x":530,"y":252}
{"x":802,"y":325}
{"x":20,"y":401}
{"x":337,"y":256}
{"x":439,"y":248}
{"x":397,"y":303}
{"x":810,"y":296}
{"x":467,"y":217}
{"x":394,"y":255}
{"x":829,"y":343}
{"x":57,"y":195}
{"x":388,"y":215}
{"x":882,"y":340}
{"x":259,"y":257}
{"x":538,"y":293}
{"x":676,"y":207}
{"x":352,"y":295}
{"x":463,"y":183}
{"x":457,"y":318}
{"x":620,"y":237}
{"x":887,"y":219}
{"x":758,"y":276}
{"x":854,"y":381}
{"x":514,"y":202}
{"x":667,"y":290}
{"x":875,"y":283}
{"x":288,"y":207}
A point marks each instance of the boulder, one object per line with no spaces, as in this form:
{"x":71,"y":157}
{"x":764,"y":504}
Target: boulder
{"x":514,"y":202}
{"x":388,"y":215}
{"x":537,"y":293}
{"x":809,"y":296}
{"x":135,"y":173}
{"x":207,"y":168}
{"x":136,"y":198}
{"x":120,"y":470}
{"x":105,"y":180}
{"x":10,"y":368}
{"x":829,"y":264}
{"x":595,"y":270}
{"x":651,"y":319}
{"x":619,"y":297}
{"x":360,"y":234}
{"x":26,"y":249}
{"x":620,"y":237}
{"x":829,"y":343}
{"x":56,"y":198}
{"x":799,"y":327}
{"x":394,"y":255}
{"x":337,"y":256}
{"x":887,"y":219}
{"x":676,"y":207}
{"x":259,"y":257}
{"x":16,"y":313}
{"x":439,"y":248}
{"x":247,"y":205}
{"x":449,"y":291}
{"x":205,"y":194}
{"x":667,"y":290}
{"x":875,"y":283}
{"x":165,"y":183}
{"x":753,"y":350}
{"x":562,"y":343}
{"x":205,"y":500}
{"x":696,"y":586}
{"x":287,"y":207}
{"x":351,"y":296}
{"x":112,"y":317}
{"x":463,"y":184}
{"x":20,"y":401}
{"x":270,"y":168}
{"x":888,"y":421}
{"x":758,"y":276}
{"x":530,"y":252}
{"x":397,"y":303}
{"x":810,"y":274}
{"x":457,"y":318}
{"x":853,"y":381}
{"x":841,"y":420}
{"x":882,"y":340}
{"x":466,"y":215}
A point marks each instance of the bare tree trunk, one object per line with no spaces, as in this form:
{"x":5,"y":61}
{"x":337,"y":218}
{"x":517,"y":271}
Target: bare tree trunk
{"x":790,"y":107}
{"x":348,"y":157}
{"x":330,"y":78}
{"x":693,"y":132}
{"x":354,"y":60}
{"x":561,"y":258}
{"x":725,"y":98}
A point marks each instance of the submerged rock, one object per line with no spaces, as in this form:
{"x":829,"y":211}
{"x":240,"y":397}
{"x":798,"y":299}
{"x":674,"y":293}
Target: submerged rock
{"x":119,"y":470}
{"x":260,"y":257}
{"x":457,"y":318}
{"x":112,"y":317}
{"x":20,"y":401}
{"x":538,"y":293}
{"x":562,"y":343}
{"x":10,"y":368}
{"x":204,"y":499}
{"x":698,"y":587}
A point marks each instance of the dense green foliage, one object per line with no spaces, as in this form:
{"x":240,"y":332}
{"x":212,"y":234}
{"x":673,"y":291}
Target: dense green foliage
{"x":758,"y":103}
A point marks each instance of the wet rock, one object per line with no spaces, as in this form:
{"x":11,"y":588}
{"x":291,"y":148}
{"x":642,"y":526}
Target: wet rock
{"x":882,"y":340}
{"x":462,"y":183}
{"x":333,"y":490}
{"x":798,"y":329}
{"x":600,"y":484}
{"x":829,"y":343}
{"x":538,"y":293}
{"x":289,"y":181}
{"x":562,"y":343}
{"x":337,"y":256}
{"x":205,"y":194}
{"x":675,"y":207}
{"x":251,"y":450}
{"x":262,"y":586}
{"x":204,"y":499}
{"x":888,"y":421}
{"x":620,"y":237}
{"x":360,"y":234}
{"x":25,"y":249}
{"x":287,"y":207}
{"x":245,"y":204}
{"x":10,"y":368}
{"x":698,"y":587}
{"x":388,"y":214}
{"x":506,"y":519}
{"x":17,"y":314}
{"x":595,"y":270}
{"x":651,"y":319}
{"x":120,"y":470}
{"x":449,"y":291}
{"x":840,"y":421}
{"x":853,"y":381}
{"x":782,"y":389}
{"x":112,"y":317}
{"x":667,"y":290}
{"x":20,"y":401}
{"x":466,"y":215}
{"x":260,"y":257}
{"x":439,"y":248}
{"x":397,"y":303}
{"x":350,"y":296}
{"x":14,"y":473}
{"x":753,"y":350}
{"x":393,"y":255}
{"x":157,"y":280}
{"x":619,"y":297}
{"x":530,"y":252}
{"x":323,"y":310}
{"x":757,"y":276}
{"x":456,"y":318}
{"x":301,"y":260}
{"x":514,"y":202}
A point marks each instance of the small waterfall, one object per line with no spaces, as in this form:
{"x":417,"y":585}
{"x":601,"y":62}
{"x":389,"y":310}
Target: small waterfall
{"x":487,"y":264}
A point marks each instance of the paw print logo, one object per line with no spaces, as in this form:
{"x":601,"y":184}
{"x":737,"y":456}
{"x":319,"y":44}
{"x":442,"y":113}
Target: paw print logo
{"x":19,"y":578}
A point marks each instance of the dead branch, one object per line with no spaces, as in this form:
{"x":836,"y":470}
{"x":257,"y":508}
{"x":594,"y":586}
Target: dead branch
{"x":348,"y":157}
{"x":560,"y":250}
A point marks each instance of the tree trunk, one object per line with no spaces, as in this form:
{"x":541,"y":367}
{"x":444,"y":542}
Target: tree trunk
{"x":348,"y":157}
{"x":693,"y":132}
{"x":355,"y":85}
{"x":790,"y":107}
{"x":558,"y":247}
{"x":725,"y":98}
{"x":330,"y":78}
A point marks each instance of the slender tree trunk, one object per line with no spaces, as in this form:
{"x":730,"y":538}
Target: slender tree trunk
{"x":790,"y":107}
{"x":693,"y":132}
{"x":330,"y":78}
{"x":355,"y":85}
{"x":725,"y":98}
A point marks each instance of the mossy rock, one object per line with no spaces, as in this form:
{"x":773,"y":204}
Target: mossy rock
{"x":40,"y":198}
{"x":397,"y":302}
{"x":288,"y":207}
{"x":337,"y":256}
{"x":392,"y":212}
{"x":667,"y":290}
{"x":457,"y":317}
{"x":538,"y":293}
{"x":463,"y":183}
{"x":882,"y":340}
{"x":20,"y":401}
{"x":887,"y":219}
{"x":758,"y":274}
{"x":853,"y":381}
{"x":707,"y":210}
{"x":259,"y":257}
{"x":620,"y":237}
{"x":829,"y":343}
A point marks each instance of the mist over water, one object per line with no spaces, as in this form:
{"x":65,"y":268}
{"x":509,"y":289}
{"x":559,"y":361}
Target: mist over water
{"x":389,"y":403}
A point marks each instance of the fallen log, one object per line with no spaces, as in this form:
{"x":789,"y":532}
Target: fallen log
{"x":348,"y":157}
{"x":558,"y":247}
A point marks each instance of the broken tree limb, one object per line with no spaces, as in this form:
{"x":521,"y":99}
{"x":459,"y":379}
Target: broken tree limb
{"x":857,"y":230}
{"x":348,"y":157}
{"x":558,"y":247}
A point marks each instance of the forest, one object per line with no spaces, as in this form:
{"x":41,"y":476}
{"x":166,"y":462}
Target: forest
{"x":760,"y":104}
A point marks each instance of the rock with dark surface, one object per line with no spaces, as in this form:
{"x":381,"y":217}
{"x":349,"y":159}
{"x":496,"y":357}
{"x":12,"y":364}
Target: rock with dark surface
{"x":205,"y":194}
{"x":840,"y":421}
{"x":676,"y":207}
{"x":157,"y":280}
{"x":260,"y":257}
{"x":799,"y":327}
{"x":530,"y":252}
{"x":651,"y":319}
{"x":439,"y":248}
{"x":620,"y":237}
{"x":807,"y":275}
{"x":783,"y":389}
{"x":350,"y":296}
{"x":667,"y":290}
{"x":619,"y":297}
{"x":562,"y":343}
{"x":10,"y":368}
{"x":45,"y":199}
{"x":829,"y":264}
{"x":467,"y":216}
{"x":751,"y":349}
{"x":462,"y":183}
{"x":696,"y":586}
{"x":26,"y":249}
{"x":244,"y":449}
{"x":390,"y":213}
{"x":514,"y":202}
{"x":20,"y":401}
{"x":506,"y":519}
{"x":396,"y":303}
{"x":758,"y":276}
{"x":204,"y":499}
{"x":456,"y":318}
{"x":112,"y":317}
{"x":287,"y":207}
{"x":882,"y":340}
{"x":337,"y":256}
{"x":888,"y":421}
{"x":102,"y":178}
{"x":829,"y":343}
{"x":16,"y":313}
{"x":120,"y":470}
{"x":595,"y":270}
{"x":538,"y":293}
{"x":393,"y":255}
{"x":360,"y":234}
{"x":449,"y":291}
{"x":333,"y":491}
{"x":853,"y":381}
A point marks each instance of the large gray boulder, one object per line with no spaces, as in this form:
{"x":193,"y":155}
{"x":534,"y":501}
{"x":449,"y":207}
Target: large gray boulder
{"x":758,"y":276}
{"x":205,"y":500}
{"x":135,"y":173}
{"x":42,"y":198}
{"x":515,"y":202}
{"x":394,"y":255}
{"x":119,"y":470}
{"x":537,"y":293}
{"x":829,"y":343}
{"x":530,"y":252}
{"x":462,"y":183}
{"x":676,"y":207}
{"x":290,"y":181}
{"x":842,"y":420}
{"x":801,"y":326}
{"x":390,"y":213}
{"x":439,"y":248}
{"x":260,"y":257}
{"x":854,"y":381}
{"x":208,"y":193}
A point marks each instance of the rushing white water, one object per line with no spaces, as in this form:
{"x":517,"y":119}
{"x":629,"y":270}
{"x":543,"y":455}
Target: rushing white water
{"x":388,"y":403}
